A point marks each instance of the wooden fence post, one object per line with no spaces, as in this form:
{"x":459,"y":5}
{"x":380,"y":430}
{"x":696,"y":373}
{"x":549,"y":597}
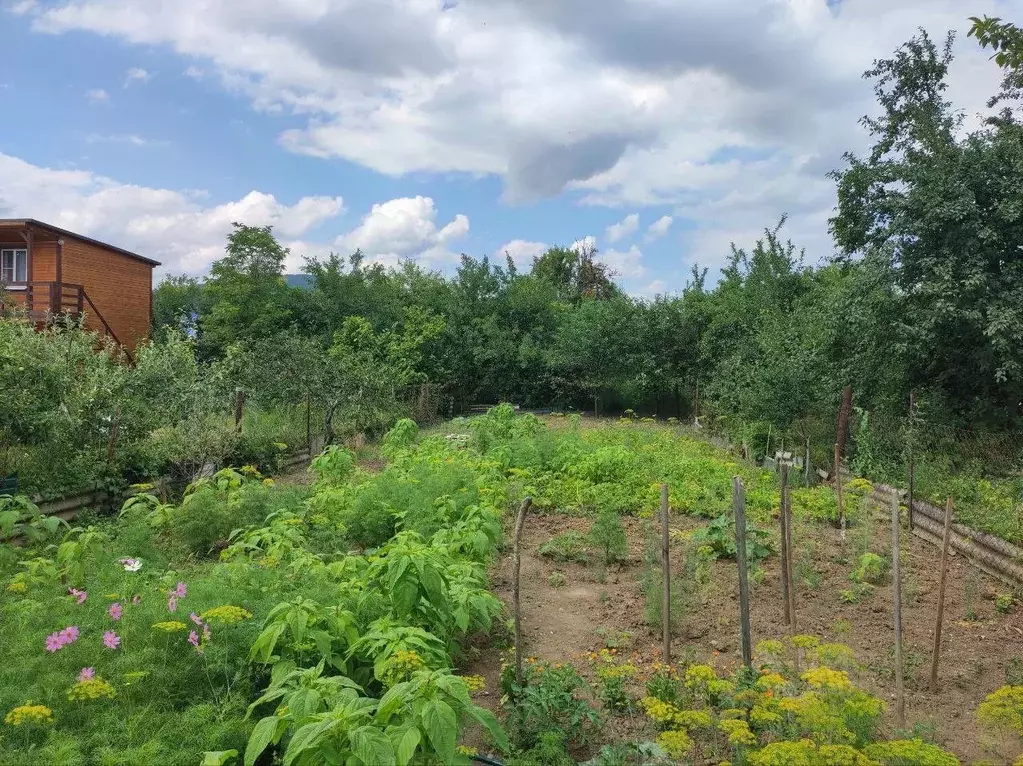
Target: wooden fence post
{"x":523,"y":509}
{"x":806,"y":468}
{"x":838,"y":489}
{"x":666,"y":566}
{"x":239,"y":408}
{"x":900,"y":692}
{"x":787,"y":511}
{"x":309,"y":424}
{"x":784,"y":471}
{"x":112,"y":442}
{"x":941,"y":595}
{"x":739,"y":504}
{"x":912,"y":464}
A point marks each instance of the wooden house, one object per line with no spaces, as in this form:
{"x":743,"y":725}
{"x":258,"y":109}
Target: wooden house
{"x":48,"y":271}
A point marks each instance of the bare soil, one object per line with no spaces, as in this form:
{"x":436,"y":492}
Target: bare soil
{"x":597,"y":608}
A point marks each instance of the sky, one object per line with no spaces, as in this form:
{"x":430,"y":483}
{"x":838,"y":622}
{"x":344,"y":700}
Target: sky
{"x":662,"y":130}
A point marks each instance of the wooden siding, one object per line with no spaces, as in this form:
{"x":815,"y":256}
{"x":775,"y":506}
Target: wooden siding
{"x":120,"y":286}
{"x":44,"y":261}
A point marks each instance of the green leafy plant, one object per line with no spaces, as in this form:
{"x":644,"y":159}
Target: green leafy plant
{"x":568,"y":546}
{"x":549,"y":698}
{"x":607,"y":536}
{"x":719,"y":535}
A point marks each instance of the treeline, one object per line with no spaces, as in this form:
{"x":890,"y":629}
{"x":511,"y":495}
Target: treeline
{"x":924,"y":295}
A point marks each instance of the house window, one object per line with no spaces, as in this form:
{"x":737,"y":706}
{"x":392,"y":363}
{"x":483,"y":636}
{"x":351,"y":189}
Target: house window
{"x":13,"y":266}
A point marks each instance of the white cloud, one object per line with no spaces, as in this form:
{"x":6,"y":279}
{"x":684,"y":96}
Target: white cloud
{"x":586,"y":243}
{"x":196,"y":73}
{"x":624,"y":228}
{"x":626,"y":264}
{"x":121,"y":138}
{"x":174,"y":227}
{"x":522,"y":252}
{"x":136,"y":74}
{"x":651,"y":290}
{"x":659,"y":228}
{"x":405,"y":228}
{"x":97,"y":96}
{"x":643,"y":104}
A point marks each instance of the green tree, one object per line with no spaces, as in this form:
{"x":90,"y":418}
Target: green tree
{"x":939,"y":211}
{"x":246,"y":292}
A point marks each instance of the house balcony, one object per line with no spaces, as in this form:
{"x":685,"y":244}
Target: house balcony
{"x":43,"y":302}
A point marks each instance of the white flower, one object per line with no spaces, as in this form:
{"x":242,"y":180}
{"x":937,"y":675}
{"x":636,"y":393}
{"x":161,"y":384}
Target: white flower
{"x":131,"y":565}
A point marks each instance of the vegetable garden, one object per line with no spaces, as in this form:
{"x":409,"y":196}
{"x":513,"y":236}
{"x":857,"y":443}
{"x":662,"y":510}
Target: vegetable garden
{"x":359,"y":619}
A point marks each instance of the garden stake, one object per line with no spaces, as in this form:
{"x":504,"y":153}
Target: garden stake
{"x":838,"y":489}
{"x":786,"y":509}
{"x":739,"y":503}
{"x":784,"y":546}
{"x":900,"y":694}
{"x":518,"y":608}
{"x":666,"y":565}
{"x":806,"y":468}
{"x":941,"y":595}
{"x":912,"y":464}
{"x":239,"y":407}
{"x":112,"y":444}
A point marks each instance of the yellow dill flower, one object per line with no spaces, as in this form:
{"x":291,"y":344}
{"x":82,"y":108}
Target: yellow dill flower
{"x":738,"y":732}
{"x":733,"y":712}
{"x":698,"y":676}
{"x":659,"y":711}
{"x":170,"y":626}
{"x":17,"y":587}
{"x":694,"y":719}
{"x":228,"y":615}
{"x":29,"y":714}
{"x":771,"y":681}
{"x":675,"y":743}
{"x":804,"y":641}
{"x":790,"y":704}
{"x":835,"y":655}
{"x":91,"y":689}
{"x":770,"y":647}
{"x":467,"y":751}
{"x":475,"y":683}
{"x":763,"y":716}
{"x":268,"y":482}
{"x":135,"y":676}
{"x":826,"y":678}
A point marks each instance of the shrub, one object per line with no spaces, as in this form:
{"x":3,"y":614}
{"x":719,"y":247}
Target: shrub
{"x":548,"y":699}
{"x":568,"y":546}
{"x":607,"y":535}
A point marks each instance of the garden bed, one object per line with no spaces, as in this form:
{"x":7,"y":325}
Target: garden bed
{"x":595,"y":609}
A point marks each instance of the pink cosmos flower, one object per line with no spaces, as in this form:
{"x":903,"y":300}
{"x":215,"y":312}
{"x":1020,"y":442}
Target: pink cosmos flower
{"x":60,"y":639}
{"x":172,"y":603}
{"x":80,"y":595}
{"x":87,"y":674}
{"x":195,"y":618}
{"x":111,"y":640}
{"x":180,"y":590}
{"x":193,"y":639}
{"x":115,"y":611}
{"x":206,"y":632}
{"x":130,"y":565}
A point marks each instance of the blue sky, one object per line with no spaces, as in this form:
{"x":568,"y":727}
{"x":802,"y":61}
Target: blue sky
{"x":420,"y":129}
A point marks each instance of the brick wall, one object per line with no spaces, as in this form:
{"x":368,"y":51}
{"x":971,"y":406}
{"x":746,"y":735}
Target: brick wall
{"x":120,"y":286}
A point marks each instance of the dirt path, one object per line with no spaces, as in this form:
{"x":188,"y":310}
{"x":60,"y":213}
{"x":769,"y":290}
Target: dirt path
{"x":592,"y":610}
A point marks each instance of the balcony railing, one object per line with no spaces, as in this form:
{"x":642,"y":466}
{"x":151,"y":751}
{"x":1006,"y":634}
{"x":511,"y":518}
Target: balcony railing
{"x":42,"y":302}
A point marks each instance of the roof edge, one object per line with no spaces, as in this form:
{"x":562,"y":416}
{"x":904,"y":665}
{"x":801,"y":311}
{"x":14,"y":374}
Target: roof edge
{"x":64,"y":232}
